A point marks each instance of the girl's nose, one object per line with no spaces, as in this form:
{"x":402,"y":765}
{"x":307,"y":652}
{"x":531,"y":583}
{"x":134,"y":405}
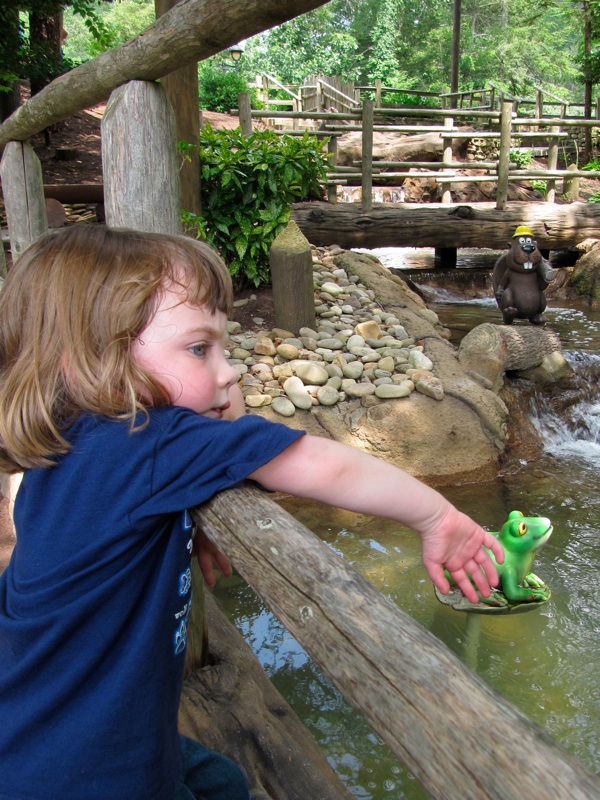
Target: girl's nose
{"x":227,"y":374}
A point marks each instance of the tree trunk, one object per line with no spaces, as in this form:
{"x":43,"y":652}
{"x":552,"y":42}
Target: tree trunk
{"x":191,"y":31}
{"x":9,"y":43}
{"x":437,"y":225}
{"x":45,"y":38}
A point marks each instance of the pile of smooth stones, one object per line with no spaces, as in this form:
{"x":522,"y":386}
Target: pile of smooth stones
{"x":357,"y":351}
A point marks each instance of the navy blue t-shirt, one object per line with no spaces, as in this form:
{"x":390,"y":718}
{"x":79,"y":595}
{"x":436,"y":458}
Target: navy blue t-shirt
{"x":95,"y":600}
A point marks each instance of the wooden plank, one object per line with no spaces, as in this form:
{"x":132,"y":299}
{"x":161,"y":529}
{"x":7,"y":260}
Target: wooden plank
{"x":23,"y":188}
{"x":139,"y":157}
{"x":440,"y":718}
{"x":554,"y":226}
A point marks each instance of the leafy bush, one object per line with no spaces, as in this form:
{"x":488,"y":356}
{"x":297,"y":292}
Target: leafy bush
{"x":594,"y":198}
{"x":219,"y":88}
{"x":248,"y":186}
{"x":522,"y":158}
{"x":407,"y":100}
{"x":592,"y":165}
{"x":539,"y":186}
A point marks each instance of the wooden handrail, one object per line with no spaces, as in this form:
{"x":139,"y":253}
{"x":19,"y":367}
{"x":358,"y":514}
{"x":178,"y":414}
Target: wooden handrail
{"x":458,"y":736}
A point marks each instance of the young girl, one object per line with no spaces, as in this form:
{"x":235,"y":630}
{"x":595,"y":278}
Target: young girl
{"x":114,"y":393}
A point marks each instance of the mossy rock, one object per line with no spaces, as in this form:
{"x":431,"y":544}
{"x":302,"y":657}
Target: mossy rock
{"x":586,"y":276}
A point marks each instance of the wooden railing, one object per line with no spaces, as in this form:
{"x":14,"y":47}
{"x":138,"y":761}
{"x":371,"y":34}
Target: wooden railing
{"x":509,"y":128}
{"x":433,"y":712}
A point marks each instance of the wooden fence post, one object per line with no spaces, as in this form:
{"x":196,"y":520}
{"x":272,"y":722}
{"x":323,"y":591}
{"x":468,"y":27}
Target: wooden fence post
{"x":571,"y":185}
{"x":378,"y":92}
{"x":367,"y":155}
{"x":290,"y":260}
{"x":504,"y":156}
{"x":139,"y":158}
{"x":552,"y":164}
{"x":332,"y":151}
{"x":447,"y":156}
{"x":24,"y":202}
{"x":245,"y":113}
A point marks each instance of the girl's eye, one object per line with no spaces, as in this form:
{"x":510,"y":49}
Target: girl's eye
{"x":198,"y":350}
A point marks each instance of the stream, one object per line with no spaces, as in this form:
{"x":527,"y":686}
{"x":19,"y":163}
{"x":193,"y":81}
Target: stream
{"x":544,"y":661}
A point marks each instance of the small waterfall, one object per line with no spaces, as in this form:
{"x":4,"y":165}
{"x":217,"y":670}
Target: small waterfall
{"x":568,"y":419}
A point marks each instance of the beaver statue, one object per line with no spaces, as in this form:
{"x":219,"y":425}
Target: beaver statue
{"x":520,"y":277}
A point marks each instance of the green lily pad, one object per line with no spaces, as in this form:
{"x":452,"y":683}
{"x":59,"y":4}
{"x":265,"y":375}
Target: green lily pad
{"x":497,"y":603}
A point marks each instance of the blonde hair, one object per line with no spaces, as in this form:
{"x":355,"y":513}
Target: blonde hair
{"x":70,"y":309}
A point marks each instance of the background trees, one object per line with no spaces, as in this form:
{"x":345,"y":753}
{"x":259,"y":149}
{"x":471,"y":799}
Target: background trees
{"x":514,"y":43}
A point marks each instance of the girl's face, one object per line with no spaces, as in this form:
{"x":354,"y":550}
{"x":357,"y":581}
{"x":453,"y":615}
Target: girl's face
{"x":183,"y":348}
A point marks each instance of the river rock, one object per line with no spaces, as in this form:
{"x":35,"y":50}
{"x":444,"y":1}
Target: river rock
{"x":283,"y":406}
{"x":328,"y":395}
{"x":288,"y":351}
{"x":294,"y":389}
{"x":388,"y":391}
{"x":310,"y":372}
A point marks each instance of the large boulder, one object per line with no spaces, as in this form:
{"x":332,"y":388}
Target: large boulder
{"x":454,"y":426}
{"x":396,"y":147}
{"x":585,"y":279}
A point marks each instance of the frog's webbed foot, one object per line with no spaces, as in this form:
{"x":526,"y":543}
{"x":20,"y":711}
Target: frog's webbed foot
{"x":533,"y":582}
{"x":496,"y":598}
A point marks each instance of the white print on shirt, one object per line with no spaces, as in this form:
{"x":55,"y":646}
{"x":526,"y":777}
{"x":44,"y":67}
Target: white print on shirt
{"x":184,"y":589}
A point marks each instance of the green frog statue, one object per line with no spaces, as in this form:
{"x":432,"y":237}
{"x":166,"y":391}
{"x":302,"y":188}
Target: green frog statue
{"x":521,"y":537}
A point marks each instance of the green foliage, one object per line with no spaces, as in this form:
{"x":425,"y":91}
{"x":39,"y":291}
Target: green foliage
{"x":407,"y":100}
{"x":522,"y":158}
{"x":219,"y":88}
{"x":113,"y":25}
{"x":594,"y":198}
{"x":539,"y":186}
{"x":592,"y":165}
{"x":248,"y":186}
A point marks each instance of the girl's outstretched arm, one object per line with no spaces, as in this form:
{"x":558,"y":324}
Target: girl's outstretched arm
{"x":321,"y":469}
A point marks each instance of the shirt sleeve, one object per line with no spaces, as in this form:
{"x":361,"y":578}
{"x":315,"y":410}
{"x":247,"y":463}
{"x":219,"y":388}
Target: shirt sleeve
{"x":195,"y":457}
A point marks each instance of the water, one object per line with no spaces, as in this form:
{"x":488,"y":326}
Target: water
{"x":544,"y":661}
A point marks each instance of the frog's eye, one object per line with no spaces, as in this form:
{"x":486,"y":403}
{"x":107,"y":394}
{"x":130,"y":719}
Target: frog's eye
{"x":522,"y":528}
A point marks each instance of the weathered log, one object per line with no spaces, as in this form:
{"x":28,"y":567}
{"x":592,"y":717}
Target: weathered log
{"x":231,"y":706}
{"x":191,"y":31}
{"x":141,"y":185}
{"x":290,"y":261}
{"x":437,"y":225}
{"x":441,"y":719}
{"x":22,"y":184}
{"x":75,"y":192}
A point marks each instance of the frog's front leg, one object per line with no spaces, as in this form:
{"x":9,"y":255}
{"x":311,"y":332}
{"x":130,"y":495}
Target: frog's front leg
{"x":521,"y":594}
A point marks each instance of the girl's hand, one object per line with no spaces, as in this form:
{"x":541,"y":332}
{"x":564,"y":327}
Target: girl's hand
{"x":208,"y":554}
{"x":456,"y":543}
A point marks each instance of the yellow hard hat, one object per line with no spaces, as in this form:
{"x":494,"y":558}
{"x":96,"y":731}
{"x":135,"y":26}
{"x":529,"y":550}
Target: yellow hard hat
{"x":522,"y":230}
